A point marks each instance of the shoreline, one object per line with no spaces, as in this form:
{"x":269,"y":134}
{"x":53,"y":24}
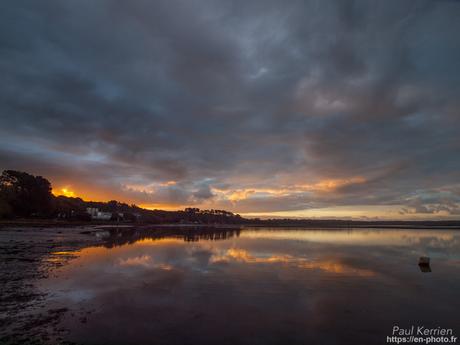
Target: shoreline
{"x":327,"y":224}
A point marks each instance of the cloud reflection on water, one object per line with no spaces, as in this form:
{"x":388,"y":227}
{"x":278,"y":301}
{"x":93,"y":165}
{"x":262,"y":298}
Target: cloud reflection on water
{"x":299,"y":286}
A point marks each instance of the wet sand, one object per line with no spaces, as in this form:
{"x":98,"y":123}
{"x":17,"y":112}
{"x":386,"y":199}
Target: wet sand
{"x":28,"y":254}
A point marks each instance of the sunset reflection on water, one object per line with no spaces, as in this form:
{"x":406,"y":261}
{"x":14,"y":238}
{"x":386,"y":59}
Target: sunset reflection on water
{"x":260,"y":286}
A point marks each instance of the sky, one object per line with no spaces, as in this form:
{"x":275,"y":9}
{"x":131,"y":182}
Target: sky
{"x":272,"y":108}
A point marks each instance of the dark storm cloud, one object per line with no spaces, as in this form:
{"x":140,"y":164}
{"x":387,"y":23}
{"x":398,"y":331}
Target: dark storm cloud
{"x":228,"y":96}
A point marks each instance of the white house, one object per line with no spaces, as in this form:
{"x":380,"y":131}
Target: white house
{"x":99,"y":215}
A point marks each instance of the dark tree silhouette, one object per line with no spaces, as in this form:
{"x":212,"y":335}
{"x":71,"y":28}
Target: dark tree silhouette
{"x":25,"y":195}
{"x":5,"y":208}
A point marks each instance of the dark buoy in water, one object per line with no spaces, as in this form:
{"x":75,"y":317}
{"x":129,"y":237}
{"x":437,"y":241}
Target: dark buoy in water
{"x":424,"y":264}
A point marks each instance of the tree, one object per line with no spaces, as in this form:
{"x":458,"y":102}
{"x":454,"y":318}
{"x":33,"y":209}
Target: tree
{"x":5,"y":208}
{"x":25,"y":194}
{"x":112,"y":206}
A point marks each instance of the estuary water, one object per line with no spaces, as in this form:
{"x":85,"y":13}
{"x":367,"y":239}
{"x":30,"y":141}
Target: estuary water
{"x":259,"y":286}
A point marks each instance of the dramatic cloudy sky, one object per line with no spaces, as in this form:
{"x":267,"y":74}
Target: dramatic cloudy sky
{"x":300,"y":108}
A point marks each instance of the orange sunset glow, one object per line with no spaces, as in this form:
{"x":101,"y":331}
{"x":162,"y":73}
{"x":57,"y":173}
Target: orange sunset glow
{"x":229,"y":112}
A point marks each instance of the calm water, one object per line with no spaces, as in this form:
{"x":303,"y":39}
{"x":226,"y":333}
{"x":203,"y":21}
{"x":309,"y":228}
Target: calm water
{"x":260,"y":287}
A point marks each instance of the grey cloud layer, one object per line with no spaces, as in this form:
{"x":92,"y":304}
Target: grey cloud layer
{"x":234,"y":95}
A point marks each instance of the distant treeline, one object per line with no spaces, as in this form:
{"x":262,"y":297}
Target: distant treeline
{"x":24,"y":196}
{"x":338,"y":223}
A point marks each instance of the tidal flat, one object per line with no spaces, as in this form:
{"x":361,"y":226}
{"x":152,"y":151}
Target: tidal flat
{"x":171,"y":285}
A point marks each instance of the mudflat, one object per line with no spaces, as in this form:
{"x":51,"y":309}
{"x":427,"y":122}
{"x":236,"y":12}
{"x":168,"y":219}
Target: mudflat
{"x":28,"y":254}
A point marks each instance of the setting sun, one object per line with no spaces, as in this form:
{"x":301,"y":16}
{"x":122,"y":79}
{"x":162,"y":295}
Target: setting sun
{"x":64,"y":191}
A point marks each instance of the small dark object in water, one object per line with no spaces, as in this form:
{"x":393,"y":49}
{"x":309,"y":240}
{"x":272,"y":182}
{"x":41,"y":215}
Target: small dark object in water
{"x":425,"y":268}
{"x":424,"y":264}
